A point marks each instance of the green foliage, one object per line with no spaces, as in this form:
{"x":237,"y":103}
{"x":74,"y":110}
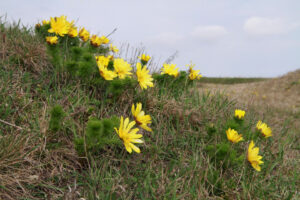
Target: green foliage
{"x":98,"y":135}
{"x":233,"y":124}
{"x":224,"y":155}
{"x":172,"y":86}
{"x":56,"y":118}
{"x":117,"y":87}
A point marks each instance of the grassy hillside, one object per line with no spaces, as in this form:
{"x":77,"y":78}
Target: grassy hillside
{"x":231,"y":80}
{"x":57,"y":137}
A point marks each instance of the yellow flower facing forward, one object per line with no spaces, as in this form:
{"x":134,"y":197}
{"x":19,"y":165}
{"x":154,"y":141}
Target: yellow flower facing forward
{"x":104,"y":40}
{"x":84,"y":34}
{"x":239,"y":114}
{"x":170,"y":70}
{"x":194,"y":74}
{"x":233,"y":136}
{"x":264,"y":129}
{"x":73,"y":32}
{"x":102,"y":60}
{"x":145,"y":79}
{"x":44,"y":22}
{"x":106,"y":74}
{"x":144,"y":58}
{"x":139,"y":116}
{"x":95,"y":41}
{"x":113,"y":48}
{"x":60,"y":25}
{"x":253,"y":156}
{"x":129,"y":135}
{"x":52,"y":39}
{"x":122,"y":68}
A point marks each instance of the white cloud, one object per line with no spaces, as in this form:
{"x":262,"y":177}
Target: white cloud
{"x":265,"y":26}
{"x":209,"y":33}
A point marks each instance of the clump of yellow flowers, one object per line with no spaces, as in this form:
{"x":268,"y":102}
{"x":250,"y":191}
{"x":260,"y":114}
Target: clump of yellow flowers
{"x":193,"y":74}
{"x":253,"y":157}
{"x":60,"y":25}
{"x":239,"y":114}
{"x":170,"y":70}
{"x":122,"y":68}
{"x":84,"y":34}
{"x":139,"y":116}
{"x":233,"y":136}
{"x":264,"y":129}
{"x":129,"y":134}
{"x":143,"y":76}
{"x":144,"y":58}
{"x":51,"y":40}
{"x":113,"y":48}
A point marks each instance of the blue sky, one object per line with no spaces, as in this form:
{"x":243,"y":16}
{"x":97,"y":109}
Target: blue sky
{"x":249,"y":38}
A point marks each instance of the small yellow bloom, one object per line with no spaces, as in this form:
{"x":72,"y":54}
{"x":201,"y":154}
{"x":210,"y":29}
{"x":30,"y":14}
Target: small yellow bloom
{"x":240,"y":114}
{"x":194,"y":74}
{"x":129,"y":136}
{"x":264,"y":129}
{"x":84,"y":34}
{"x":170,"y":70}
{"x":52,"y":39}
{"x":95,"y":41}
{"x":253,"y":156}
{"x":45,"y":22}
{"x":102,"y":60}
{"x":144,"y":58}
{"x":113,"y":48}
{"x":139,"y":116}
{"x":122,"y":68}
{"x":233,"y":136}
{"x":106,"y":74}
{"x":60,"y":25}
{"x":73,"y":32}
{"x":104,"y":40}
{"x":143,"y":76}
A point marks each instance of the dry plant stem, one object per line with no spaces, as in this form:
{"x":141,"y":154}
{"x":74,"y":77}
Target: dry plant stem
{"x":10,"y":124}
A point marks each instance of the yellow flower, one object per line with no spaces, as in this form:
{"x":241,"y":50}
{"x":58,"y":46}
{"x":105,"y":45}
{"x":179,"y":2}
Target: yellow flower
{"x":129,"y":136}
{"x":84,"y":34}
{"x":253,"y":156}
{"x":104,"y":40}
{"x":106,"y":74}
{"x":194,"y":74}
{"x":264,"y":129}
{"x":102,"y":60}
{"x":240,"y":114}
{"x":95,"y":41}
{"x":52,"y":39}
{"x":113,"y":48}
{"x":143,"y":76}
{"x":233,"y":136}
{"x":170,"y":70}
{"x":60,"y":25}
{"x":122,"y":68}
{"x":73,"y":32}
{"x":139,"y":116}
{"x":45,"y":22}
{"x":144,"y":58}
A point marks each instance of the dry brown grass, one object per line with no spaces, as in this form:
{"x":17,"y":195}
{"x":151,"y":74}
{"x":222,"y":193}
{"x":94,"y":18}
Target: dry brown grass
{"x":24,"y":50}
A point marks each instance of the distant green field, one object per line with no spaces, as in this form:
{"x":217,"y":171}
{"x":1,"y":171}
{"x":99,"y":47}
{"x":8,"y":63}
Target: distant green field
{"x":233,"y":80}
